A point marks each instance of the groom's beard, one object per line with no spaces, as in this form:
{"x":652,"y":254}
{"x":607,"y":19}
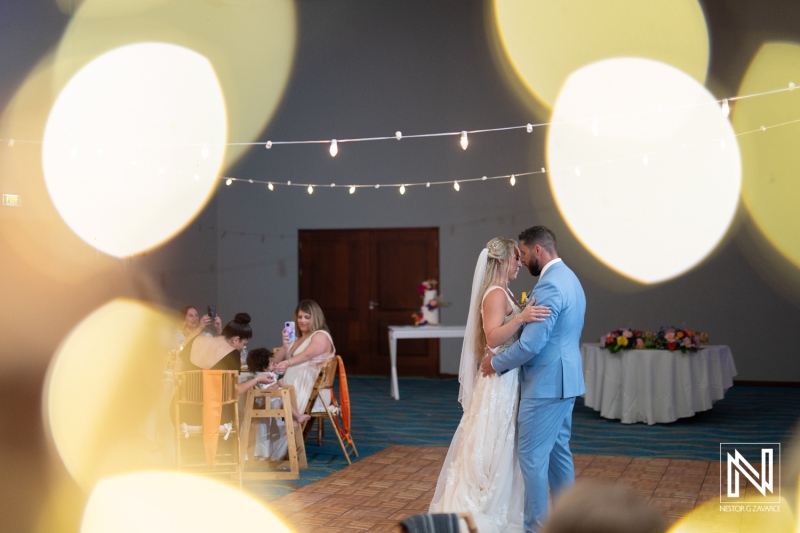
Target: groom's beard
{"x":535,"y":268}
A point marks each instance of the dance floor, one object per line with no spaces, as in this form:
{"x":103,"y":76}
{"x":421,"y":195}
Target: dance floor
{"x":377,"y":492}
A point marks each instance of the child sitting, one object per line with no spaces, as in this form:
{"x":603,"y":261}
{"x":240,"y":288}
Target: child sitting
{"x":259,"y":361}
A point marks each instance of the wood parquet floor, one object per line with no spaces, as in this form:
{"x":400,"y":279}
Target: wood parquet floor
{"x":377,"y":492}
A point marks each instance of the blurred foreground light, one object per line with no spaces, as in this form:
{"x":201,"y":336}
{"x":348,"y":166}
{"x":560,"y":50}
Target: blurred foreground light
{"x":104,"y":391}
{"x":755,"y":516}
{"x":153,"y":103}
{"x":770,"y":188}
{"x":648,"y":222}
{"x":585,"y":31}
{"x":165,"y":502}
{"x":250,"y":44}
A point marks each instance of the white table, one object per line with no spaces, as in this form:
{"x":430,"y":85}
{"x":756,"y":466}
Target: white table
{"x":416,"y":332}
{"x":655,"y":386}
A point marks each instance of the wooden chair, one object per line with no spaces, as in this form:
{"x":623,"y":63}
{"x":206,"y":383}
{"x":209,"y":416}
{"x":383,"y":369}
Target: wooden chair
{"x":193,"y":389}
{"x":336,"y":412}
{"x":255,"y":411}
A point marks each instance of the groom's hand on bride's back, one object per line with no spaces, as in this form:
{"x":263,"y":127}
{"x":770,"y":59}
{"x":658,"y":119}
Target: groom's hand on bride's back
{"x":486,"y":364}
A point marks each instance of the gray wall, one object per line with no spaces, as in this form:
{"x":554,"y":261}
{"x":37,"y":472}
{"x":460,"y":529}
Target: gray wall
{"x":366,"y":68}
{"x":425,"y":70}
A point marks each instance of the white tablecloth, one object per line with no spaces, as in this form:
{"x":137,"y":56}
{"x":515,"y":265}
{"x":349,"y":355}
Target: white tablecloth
{"x":415,"y":332}
{"x":655,"y":386}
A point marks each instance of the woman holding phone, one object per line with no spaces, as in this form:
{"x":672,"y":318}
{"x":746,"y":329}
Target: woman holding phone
{"x":300,"y":362}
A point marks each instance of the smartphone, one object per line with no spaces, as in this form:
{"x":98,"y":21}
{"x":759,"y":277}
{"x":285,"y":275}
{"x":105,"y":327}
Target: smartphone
{"x":212,"y":311}
{"x":289,"y":328}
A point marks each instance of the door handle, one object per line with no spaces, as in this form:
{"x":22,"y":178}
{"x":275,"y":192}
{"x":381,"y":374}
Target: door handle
{"x":372,"y":305}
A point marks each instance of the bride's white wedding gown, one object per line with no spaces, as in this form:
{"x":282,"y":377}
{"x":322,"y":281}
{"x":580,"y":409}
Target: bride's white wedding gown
{"x":481,"y":472}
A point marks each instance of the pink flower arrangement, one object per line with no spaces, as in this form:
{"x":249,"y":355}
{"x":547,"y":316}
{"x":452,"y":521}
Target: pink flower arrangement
{"x":664,"y":339}
{"x":427,"y":285}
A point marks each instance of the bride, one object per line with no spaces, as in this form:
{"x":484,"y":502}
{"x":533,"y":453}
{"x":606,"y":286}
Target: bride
{"x":481,"y":472}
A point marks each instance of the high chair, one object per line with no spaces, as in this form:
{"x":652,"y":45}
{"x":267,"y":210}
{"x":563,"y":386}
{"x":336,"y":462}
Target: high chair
{"x":336,"y":412}
{"x":208,"y":391}
{"x":255,"y":411}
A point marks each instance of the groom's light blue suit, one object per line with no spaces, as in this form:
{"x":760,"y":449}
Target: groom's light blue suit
{"x":551,"y":376}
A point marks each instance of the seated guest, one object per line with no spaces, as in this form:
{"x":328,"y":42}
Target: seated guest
{"x":194,"y":325}
{"x":299,"y":362}
{"x":222,"y":353}
{"x":259,"y":361}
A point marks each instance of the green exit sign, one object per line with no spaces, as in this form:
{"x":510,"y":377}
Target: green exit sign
{"x":12,"y":200}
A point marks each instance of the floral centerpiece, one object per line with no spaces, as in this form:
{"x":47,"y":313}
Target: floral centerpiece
{"x":664,"y":339}
{"x":431,"y":303}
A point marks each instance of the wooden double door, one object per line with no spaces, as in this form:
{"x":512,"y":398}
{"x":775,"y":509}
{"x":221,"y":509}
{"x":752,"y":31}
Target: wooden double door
{"x":366,"y":280}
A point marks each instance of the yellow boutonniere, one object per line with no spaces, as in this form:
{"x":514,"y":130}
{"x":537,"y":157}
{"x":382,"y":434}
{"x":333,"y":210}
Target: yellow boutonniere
{"x":524,"y":298}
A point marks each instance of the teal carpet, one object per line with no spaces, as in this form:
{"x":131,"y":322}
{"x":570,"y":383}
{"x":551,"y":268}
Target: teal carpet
{"x":428,"y":413}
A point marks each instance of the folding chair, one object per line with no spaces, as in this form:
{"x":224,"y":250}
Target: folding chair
{"x":337,"y":412}
{"x":207,"y":392}
{"x":256,"y":410}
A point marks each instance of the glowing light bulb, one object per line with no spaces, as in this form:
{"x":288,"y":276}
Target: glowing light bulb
{"x":464,"y":140}
{"x":456,"y":186}
{"x":378,"y":186}
{"x":529,"y":127}
{"x":402,"y":189}
{"x":513,"y":180}
{"x":791,"y":86}
{"x":204,"y":152}
{"x":11,"y":143}
{"x":270,"y":187}
{"x":595,"y":128}
{"x":249,"y":181}
{"x":726,"y":109}
{"x":398,"y":134}
{"x":428,"y":184}
{"x":763,"y":128}
{"x":310,"y":189}
{"x":289,"y":182}
{"x":334,"y":148}
{"x":268,"y":145}
{"x":484,"y":178}
{"x":543,"y":171}
{"x":227,"y":181}
{"x":352,"y":189}
{"x":333,"y":185}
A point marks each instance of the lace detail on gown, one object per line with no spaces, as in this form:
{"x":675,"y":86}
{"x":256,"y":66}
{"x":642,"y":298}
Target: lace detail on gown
{"x":481,"y":471}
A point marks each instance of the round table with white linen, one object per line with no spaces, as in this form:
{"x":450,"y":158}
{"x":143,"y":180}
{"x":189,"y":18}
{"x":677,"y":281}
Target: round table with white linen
{"x":655,"y":386}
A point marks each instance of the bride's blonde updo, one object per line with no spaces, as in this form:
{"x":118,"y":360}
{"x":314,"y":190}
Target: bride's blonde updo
{"x":501,"y":252}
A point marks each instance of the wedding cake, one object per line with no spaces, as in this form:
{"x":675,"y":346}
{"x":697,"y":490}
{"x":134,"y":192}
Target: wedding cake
{"x":428,"y":314}
{"x":429,"y":309}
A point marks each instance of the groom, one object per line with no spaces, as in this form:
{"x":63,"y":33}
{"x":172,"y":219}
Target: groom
{"x":550,"y":376}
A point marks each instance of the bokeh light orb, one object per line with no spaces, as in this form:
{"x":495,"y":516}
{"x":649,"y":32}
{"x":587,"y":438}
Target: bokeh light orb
{"x":544,"y":41}
{"x":770,"y":188}
{"x":104,"y":391}
{"x":251,"y":45}
{"x":156,"y":502}
{"x":709,"y":516}
{"x":133,"y":146}
{"x":643,"y":166}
